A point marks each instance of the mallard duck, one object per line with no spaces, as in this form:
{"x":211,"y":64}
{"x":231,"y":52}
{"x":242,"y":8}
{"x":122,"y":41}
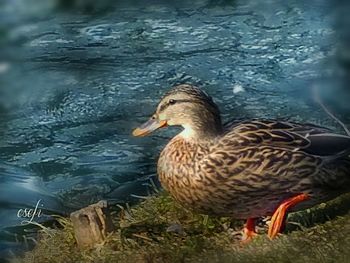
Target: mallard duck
{"x":248,"y":169}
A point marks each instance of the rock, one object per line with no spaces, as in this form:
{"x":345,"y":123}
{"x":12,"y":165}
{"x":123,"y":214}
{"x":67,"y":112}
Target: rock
{"x":176,"y":228}
{"x":92,"y":224}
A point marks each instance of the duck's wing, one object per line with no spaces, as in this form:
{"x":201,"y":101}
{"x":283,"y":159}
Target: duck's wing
{"x":309,"y":138}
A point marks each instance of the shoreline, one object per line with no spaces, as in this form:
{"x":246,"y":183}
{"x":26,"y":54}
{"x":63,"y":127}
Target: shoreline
{"x":160,"y":230}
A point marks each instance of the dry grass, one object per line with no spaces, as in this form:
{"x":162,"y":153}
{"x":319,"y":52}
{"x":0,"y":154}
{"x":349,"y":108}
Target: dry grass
{"x":142,"y":235}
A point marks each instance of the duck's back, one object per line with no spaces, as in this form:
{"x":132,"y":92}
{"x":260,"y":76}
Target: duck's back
{"x":258,"y":164}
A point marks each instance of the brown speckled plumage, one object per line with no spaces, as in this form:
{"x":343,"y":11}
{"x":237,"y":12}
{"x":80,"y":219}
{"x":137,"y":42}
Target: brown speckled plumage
{"x":246,"y":169}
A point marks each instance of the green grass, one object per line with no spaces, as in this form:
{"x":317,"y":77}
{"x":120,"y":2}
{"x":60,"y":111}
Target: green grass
{"x":141,"y":236}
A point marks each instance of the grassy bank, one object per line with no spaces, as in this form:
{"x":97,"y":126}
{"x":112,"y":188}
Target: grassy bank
{"x":159,"y":230}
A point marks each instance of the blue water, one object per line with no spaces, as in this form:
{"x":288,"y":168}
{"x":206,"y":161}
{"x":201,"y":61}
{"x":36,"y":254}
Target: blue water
{"x":74,"y":84}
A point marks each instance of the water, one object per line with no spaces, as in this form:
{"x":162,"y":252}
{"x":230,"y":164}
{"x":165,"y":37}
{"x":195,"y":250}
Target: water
{"x":74,"y":84}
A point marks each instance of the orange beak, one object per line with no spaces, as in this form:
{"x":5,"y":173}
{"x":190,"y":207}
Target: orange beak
{"x":149,"y":126}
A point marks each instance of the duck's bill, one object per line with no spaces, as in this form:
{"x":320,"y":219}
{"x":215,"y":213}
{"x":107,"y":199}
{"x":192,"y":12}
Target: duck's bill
{"x":149,"y":126}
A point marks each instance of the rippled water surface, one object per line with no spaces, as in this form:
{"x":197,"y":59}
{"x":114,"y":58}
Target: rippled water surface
{"x":77,"y":83}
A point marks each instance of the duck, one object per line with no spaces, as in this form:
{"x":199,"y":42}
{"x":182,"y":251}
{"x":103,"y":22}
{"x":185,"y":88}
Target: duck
{"x":245,"y":169}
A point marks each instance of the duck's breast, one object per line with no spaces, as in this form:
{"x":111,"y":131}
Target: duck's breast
{"x":178,"y":173}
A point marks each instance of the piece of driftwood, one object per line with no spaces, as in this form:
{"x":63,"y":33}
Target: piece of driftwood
{"x":92,"y":224}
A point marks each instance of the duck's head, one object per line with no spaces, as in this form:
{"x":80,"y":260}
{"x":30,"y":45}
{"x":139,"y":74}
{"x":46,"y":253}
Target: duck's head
{"x":186,"y":106}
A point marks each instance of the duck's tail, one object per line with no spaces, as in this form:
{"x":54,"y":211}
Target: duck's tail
{"x":336,"y":174}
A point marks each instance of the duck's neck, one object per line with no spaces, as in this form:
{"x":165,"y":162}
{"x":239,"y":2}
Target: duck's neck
{"x":202,"y":131}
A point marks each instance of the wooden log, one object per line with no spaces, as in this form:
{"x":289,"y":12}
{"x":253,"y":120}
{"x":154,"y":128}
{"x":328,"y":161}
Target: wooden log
{"x":92,"y":224}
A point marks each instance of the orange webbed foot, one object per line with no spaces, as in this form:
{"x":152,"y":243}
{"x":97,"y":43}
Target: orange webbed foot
{"x":248,"y":231}
{"x":279,"y":215}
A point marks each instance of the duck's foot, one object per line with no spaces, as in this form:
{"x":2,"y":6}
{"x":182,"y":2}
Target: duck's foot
{"x":249,"y":231}
{"x":278,"y":218}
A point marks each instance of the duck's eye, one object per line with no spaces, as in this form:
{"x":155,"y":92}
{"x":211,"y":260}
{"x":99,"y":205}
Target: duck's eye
{"x":171,"y":101}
